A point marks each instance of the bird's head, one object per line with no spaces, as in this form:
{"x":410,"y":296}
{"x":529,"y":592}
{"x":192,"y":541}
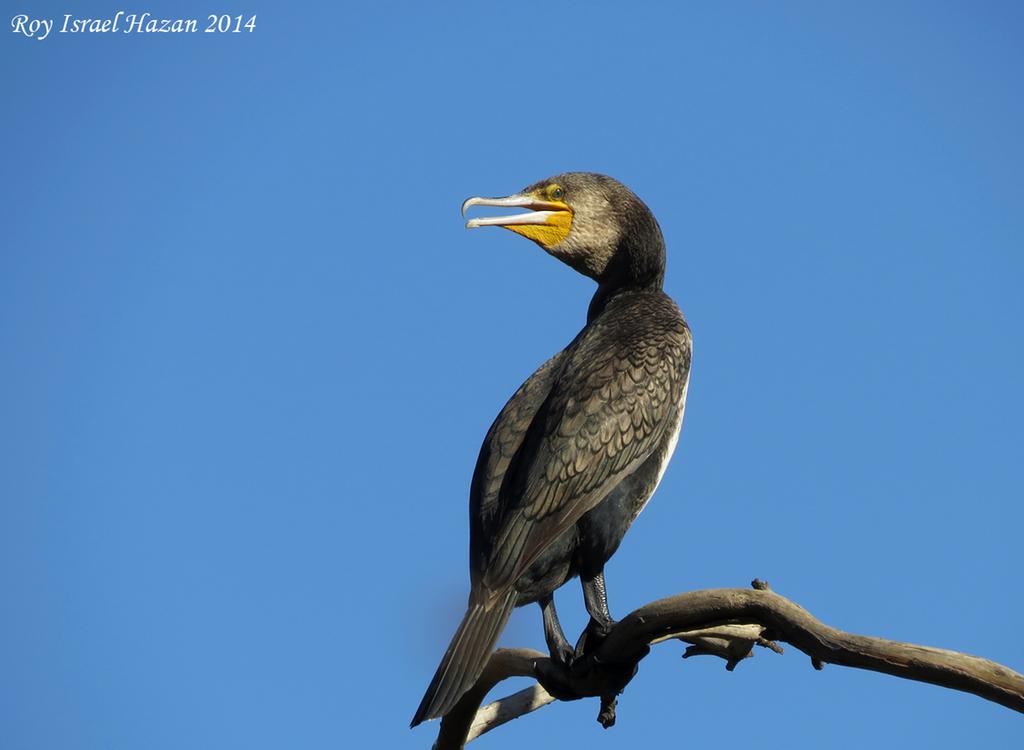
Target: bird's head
{"x":589,"y":221}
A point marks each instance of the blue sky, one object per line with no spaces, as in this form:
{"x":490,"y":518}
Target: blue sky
{"x":249,"y":353}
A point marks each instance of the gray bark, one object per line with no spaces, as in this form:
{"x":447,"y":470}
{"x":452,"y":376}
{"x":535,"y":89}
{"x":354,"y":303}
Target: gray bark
{"x":726,"y":623}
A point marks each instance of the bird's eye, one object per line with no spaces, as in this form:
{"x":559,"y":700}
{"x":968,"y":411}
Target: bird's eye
{"x":556,"y":193}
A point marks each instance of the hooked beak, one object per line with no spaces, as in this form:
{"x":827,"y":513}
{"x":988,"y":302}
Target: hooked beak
{"x":540,"y":211}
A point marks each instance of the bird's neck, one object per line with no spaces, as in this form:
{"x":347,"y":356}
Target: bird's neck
{"x":604,"y":296}
{"x":633,"y":269}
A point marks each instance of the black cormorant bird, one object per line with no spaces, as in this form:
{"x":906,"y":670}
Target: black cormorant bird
{"x":578,"y":450}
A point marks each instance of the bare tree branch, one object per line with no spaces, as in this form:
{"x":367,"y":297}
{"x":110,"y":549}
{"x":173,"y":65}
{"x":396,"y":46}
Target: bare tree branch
{"x":504,"y":663}
{"x":727,"y":623}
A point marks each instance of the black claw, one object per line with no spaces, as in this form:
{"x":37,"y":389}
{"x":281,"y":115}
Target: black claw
{"x":564,"y":656}
{"x":593,"y":636}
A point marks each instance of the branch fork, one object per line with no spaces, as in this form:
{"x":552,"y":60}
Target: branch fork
{"x":726,"y":623}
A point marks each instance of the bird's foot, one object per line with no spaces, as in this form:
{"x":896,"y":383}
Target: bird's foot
{"x":558,"y":679}
{"x":587,"y":675}
{"x":562,"y":654}
{"x":592,"y":637}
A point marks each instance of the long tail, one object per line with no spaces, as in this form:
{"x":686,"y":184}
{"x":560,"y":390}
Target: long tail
{"x":466,"y":656}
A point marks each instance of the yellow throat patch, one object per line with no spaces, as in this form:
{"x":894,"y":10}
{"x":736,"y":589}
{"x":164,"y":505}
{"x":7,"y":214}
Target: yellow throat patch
{"x":548,"y":234}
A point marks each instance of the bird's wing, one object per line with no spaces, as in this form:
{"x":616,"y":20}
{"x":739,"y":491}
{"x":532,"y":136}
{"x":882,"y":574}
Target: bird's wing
{"x":500,"y":446}
{"x":607,"y":412}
